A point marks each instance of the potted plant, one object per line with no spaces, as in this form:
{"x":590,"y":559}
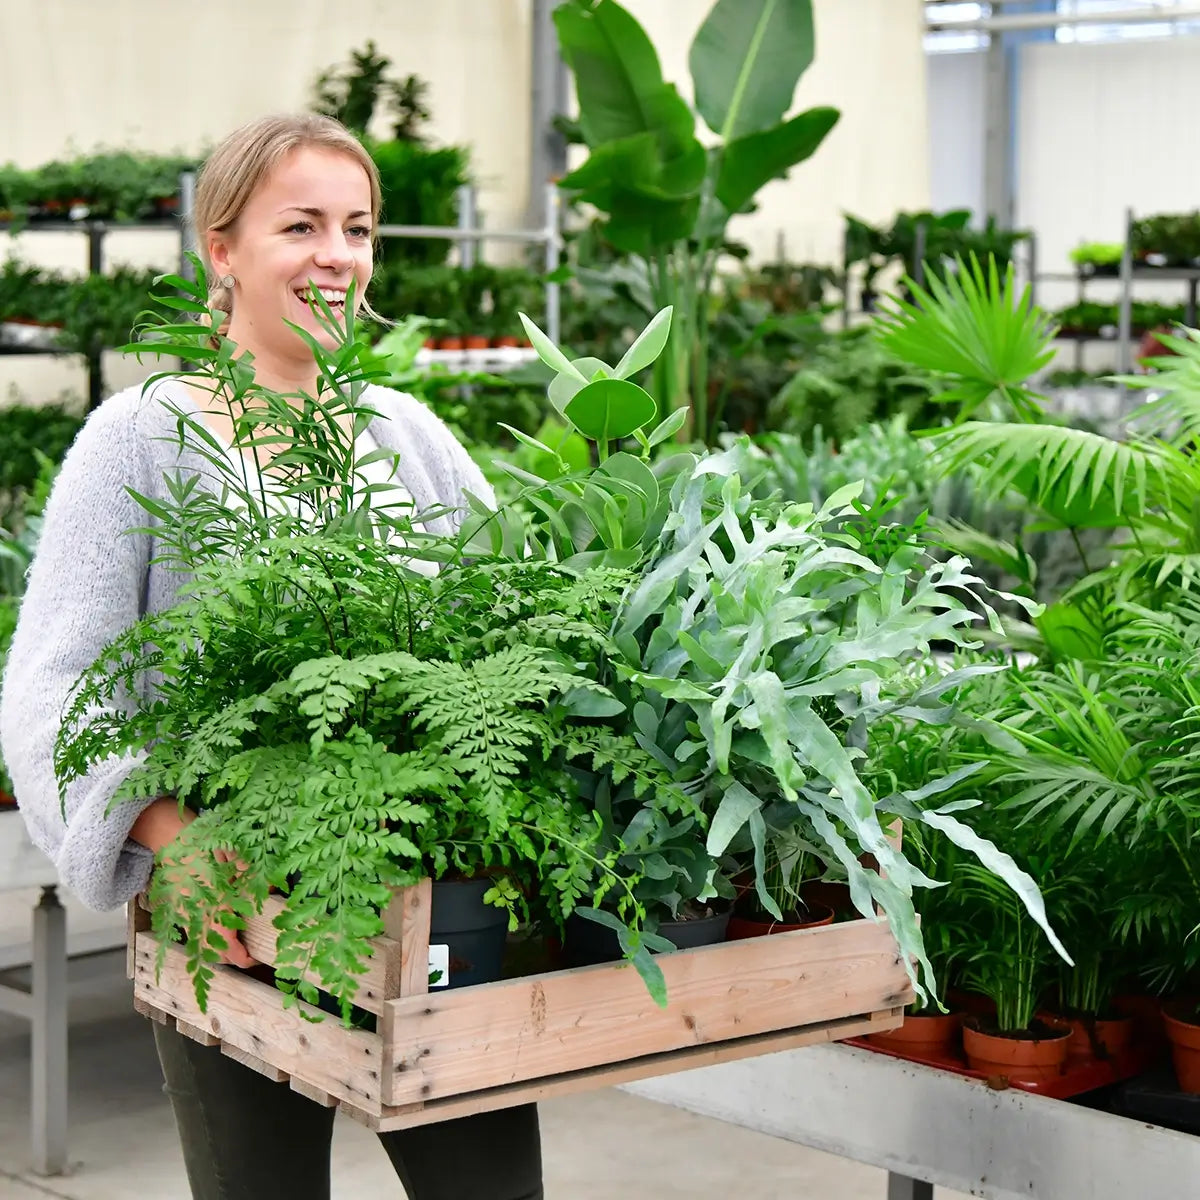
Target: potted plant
{"x":711,"y":639}
{"x":790,"y":862}
{"x":1009,"y":964}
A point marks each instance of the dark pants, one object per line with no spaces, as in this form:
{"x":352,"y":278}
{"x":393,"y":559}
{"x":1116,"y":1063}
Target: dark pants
{"x":246,"y":1138}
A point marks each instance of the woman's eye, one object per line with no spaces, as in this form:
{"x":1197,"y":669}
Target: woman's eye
{"x":299,"y":227}
{"x":359,"y":231}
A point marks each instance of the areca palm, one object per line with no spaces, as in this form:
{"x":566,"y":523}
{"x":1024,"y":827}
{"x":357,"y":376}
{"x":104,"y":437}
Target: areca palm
{"x":1147,"y":485}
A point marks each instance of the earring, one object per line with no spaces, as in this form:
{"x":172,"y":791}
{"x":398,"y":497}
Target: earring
{"x":227,"y":281}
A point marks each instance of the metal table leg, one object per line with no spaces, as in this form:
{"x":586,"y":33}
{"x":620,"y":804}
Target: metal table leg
{"x":900,"y":1187}
{"x":49,"y":1016}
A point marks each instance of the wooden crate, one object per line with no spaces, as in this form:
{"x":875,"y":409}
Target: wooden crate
{"x":448,"y":1053}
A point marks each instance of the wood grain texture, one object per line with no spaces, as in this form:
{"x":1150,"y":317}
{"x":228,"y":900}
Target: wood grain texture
{"x":448,"y":1043}
{"x":380,"y":982}
{"x":251,"y":1016}
{"x":624,"y":1072}
{"x":196,"y":1033}
{"x":315,"y":1094}
{"x":137,"y":920}
{"x":406,"y":920}
{"x":273,"y":1073}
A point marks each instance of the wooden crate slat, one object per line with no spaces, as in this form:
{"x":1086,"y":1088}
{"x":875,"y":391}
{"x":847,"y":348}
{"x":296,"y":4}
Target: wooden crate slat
{"x":273,"y":1073}
{"x":315,"y":1094}
{"x":406,"y":920}
{"x":499,"y":1033}
{"x":196,"y":1033}
{"x":137,"y":920}
{"x":380,"y":982}
{"x":614,"y":1074}
{"x":251,"y":1016}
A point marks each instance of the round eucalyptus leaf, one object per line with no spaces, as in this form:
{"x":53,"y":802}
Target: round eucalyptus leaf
{"x":609,"y":409}
{"x":563,"y":388}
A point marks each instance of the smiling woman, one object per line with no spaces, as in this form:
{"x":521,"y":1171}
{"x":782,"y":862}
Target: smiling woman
{"x":284,"y":205}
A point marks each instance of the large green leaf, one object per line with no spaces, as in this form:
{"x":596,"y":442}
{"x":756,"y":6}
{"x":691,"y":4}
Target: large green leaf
{"x":1000,"y":865}
{"x":651,"y":202}
{"x":609,"y":409}
{"x":746,"y":60}
{"x":564,"y":388}
{"x":749,"y":162}
{"x":618,"y":78}
{"x":736,"y":807}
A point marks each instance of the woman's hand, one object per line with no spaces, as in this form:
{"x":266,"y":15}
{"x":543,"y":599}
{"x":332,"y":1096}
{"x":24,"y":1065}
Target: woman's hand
{"x":158,"y":828}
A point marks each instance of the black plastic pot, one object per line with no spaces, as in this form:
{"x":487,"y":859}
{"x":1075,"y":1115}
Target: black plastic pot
{"x":586,"y":943}
{"x":474,"y":931}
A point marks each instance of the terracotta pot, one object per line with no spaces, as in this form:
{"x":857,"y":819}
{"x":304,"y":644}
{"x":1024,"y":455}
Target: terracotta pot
{"x":7,"y":801}
{"x":1184,"y":1035}
{"x":922,"y":1036}
{"x":1099,"y":1038}
{"x":744,"y":927}
{"x":1020,"y":1060}
{"x":505,"y":341}
{"x":475,"y":341}
{"x":450,"y":343}
{"x":431,"y":343}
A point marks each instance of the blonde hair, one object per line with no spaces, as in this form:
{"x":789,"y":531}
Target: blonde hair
{"x":238,"y":166}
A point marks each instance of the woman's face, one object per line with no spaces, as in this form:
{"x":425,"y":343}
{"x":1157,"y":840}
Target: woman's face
{"x":308,"y":222}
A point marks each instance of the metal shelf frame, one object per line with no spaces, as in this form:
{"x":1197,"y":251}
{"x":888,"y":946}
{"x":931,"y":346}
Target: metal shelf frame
{"x":932,"y":1129}
{"x":468,"y":235}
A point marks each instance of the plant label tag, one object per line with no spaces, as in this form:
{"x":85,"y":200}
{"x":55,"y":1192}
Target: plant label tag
{"x":439,"y":966}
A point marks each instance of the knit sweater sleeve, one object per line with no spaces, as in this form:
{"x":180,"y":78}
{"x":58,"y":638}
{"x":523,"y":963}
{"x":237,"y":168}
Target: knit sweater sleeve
{"x":86,"y":586}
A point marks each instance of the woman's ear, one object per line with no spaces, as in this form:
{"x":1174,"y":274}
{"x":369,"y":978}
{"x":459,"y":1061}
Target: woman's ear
{"x":218,"y":252}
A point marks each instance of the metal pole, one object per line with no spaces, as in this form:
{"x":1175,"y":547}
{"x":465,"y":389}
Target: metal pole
{"x":94,"y":353}
{"x":468,"y":223}
{"x":997,"y":156}
{"x":550,"y":88}
{"x":1018,"y":21}
{"x":188,"y":242}
{"x":1125,"y":320}
{"x":919,"y":243}
{"x":553,"y":257}
{"x":49,"y":1045}
{"x":900,"y":1187}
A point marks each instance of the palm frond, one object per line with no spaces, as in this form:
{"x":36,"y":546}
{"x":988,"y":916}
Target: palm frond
{"x":987,"y":336}
{"x":1076,"y":478}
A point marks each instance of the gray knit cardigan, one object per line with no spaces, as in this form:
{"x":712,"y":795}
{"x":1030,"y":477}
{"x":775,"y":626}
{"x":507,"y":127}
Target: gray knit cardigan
{"x":91,"y":579}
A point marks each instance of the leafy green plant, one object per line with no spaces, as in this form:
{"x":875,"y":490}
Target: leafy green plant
{"x":758,"y":644}
{"x":849,"y":382}
{"x":1097,"y":254}
{"x":1097,"y":740}
{"x":30,"y":437}
{"x":313,"y":683}
{"x":666,"y":198}
{"x":924,"y":243}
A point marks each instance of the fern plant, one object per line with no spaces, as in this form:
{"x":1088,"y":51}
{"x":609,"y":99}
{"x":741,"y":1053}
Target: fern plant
{"x":344,"y":722}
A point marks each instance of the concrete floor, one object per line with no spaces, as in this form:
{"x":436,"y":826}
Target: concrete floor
{"x":599,"y":1146}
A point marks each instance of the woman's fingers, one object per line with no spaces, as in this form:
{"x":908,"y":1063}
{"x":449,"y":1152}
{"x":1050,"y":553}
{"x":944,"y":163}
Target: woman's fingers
{"x":235,"y":954}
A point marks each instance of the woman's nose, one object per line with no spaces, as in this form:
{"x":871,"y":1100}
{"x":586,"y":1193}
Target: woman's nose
{"x":334,"y":253}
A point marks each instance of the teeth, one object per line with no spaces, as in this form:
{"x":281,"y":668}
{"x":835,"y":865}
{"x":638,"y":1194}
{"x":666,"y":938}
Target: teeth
{"x":330,"y":295}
